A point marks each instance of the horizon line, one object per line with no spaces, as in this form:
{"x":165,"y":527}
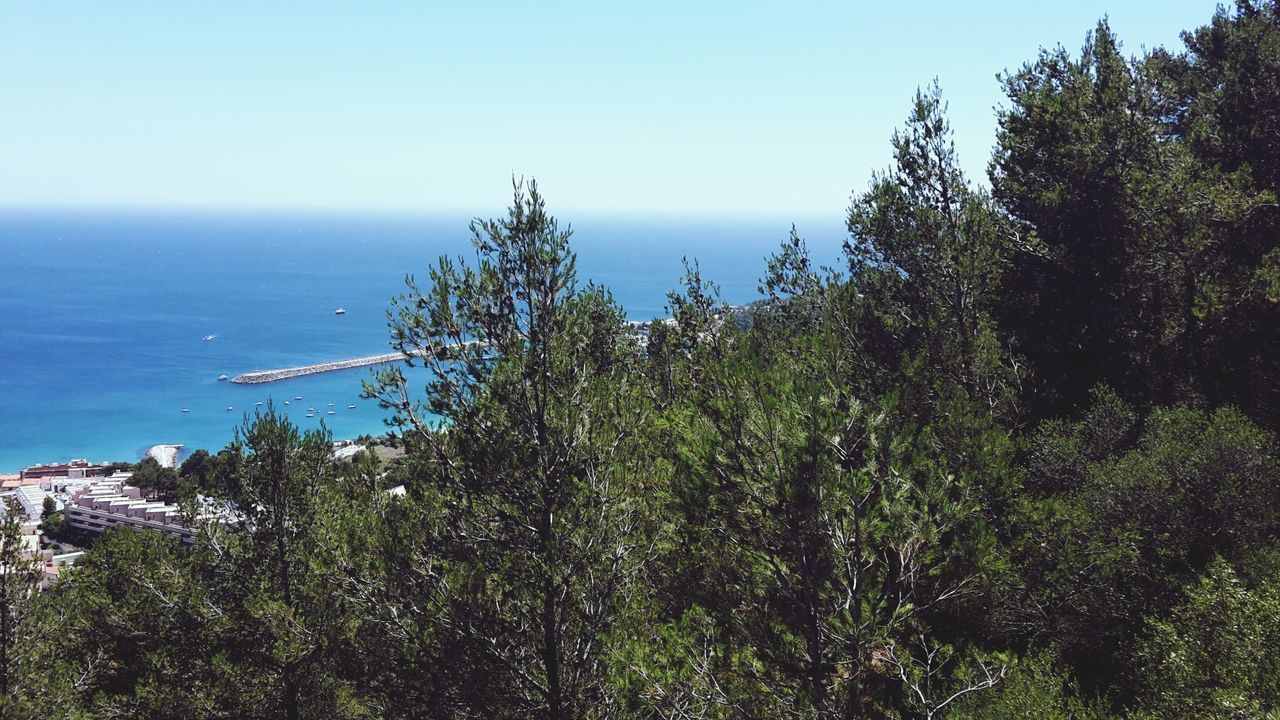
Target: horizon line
{"x":421,"y":211}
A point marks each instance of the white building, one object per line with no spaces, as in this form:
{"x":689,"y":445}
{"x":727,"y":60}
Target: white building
{"x":109,"y":503}
{"x":54,"y":565}
{"x":31,"y":498}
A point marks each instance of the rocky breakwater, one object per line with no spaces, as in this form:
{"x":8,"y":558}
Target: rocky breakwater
{"x":258,"y":377}
{"x":265,"y":376}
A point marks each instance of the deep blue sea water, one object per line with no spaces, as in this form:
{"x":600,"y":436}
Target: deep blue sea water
{"x":102,"y":313}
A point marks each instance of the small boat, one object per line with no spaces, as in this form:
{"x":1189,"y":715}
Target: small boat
{"x":331,"y":412}
{"x":311,"y":409}
{"x":330,"y":404}
{"x":351,"y":407}
{"x":299,"y":397}
{"x":222,"y":378}
{"x":258,"y":403}
{"x":186,"y":410}
{"x":286,"y":402}
{"x":230,"y":408}
{"x":311,"y":414}
{"x":340,"y":311}
{"x":207,"y":338}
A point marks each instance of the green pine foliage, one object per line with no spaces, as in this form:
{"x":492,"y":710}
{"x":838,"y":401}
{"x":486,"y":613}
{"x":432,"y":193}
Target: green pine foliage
{"x":19,"y":574}
{"x":1215,"y":655}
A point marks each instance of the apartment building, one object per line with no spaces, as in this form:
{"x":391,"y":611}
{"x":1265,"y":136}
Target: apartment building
{"x":109,"y":502}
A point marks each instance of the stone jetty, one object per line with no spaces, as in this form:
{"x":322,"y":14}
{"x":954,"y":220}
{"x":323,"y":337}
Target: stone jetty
{"x":265,"y":376}
{"x":257,"y":377}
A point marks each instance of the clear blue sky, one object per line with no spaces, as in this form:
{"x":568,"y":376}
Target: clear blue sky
{"x":650,"y":107}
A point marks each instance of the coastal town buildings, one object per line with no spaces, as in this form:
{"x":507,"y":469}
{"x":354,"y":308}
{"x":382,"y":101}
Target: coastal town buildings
{"x":28,"y":494}
{"x":75,"y":469}
{"x":50,"y":564}
{"x":91,"y":502}
{"x":54,"y":565}
{"x":30,"y":539}
{"x":29,"y":488}
{"x":110,"y":502}
{"x":31,"y":498}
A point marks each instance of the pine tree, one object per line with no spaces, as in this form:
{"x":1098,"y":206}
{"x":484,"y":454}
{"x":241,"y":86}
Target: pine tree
{"x":530,"y":481}
{"x":263,"y":567}
{"x":19,"y":575}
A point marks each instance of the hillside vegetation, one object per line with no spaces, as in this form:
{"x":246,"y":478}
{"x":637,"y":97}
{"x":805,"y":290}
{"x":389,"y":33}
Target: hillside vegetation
{"x":1013,"y":457}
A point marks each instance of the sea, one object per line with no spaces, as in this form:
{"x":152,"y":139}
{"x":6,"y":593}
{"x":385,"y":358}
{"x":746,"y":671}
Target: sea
{"x":104,"y":313}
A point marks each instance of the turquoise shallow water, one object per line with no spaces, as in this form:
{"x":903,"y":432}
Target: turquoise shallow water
{"x":102,"y":314}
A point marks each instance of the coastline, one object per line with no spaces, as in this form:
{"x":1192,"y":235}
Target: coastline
{"x":276,"y":312}
{"x":111,"y":448}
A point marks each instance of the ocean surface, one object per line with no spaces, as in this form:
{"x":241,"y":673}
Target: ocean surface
{"x":102,"y":313}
